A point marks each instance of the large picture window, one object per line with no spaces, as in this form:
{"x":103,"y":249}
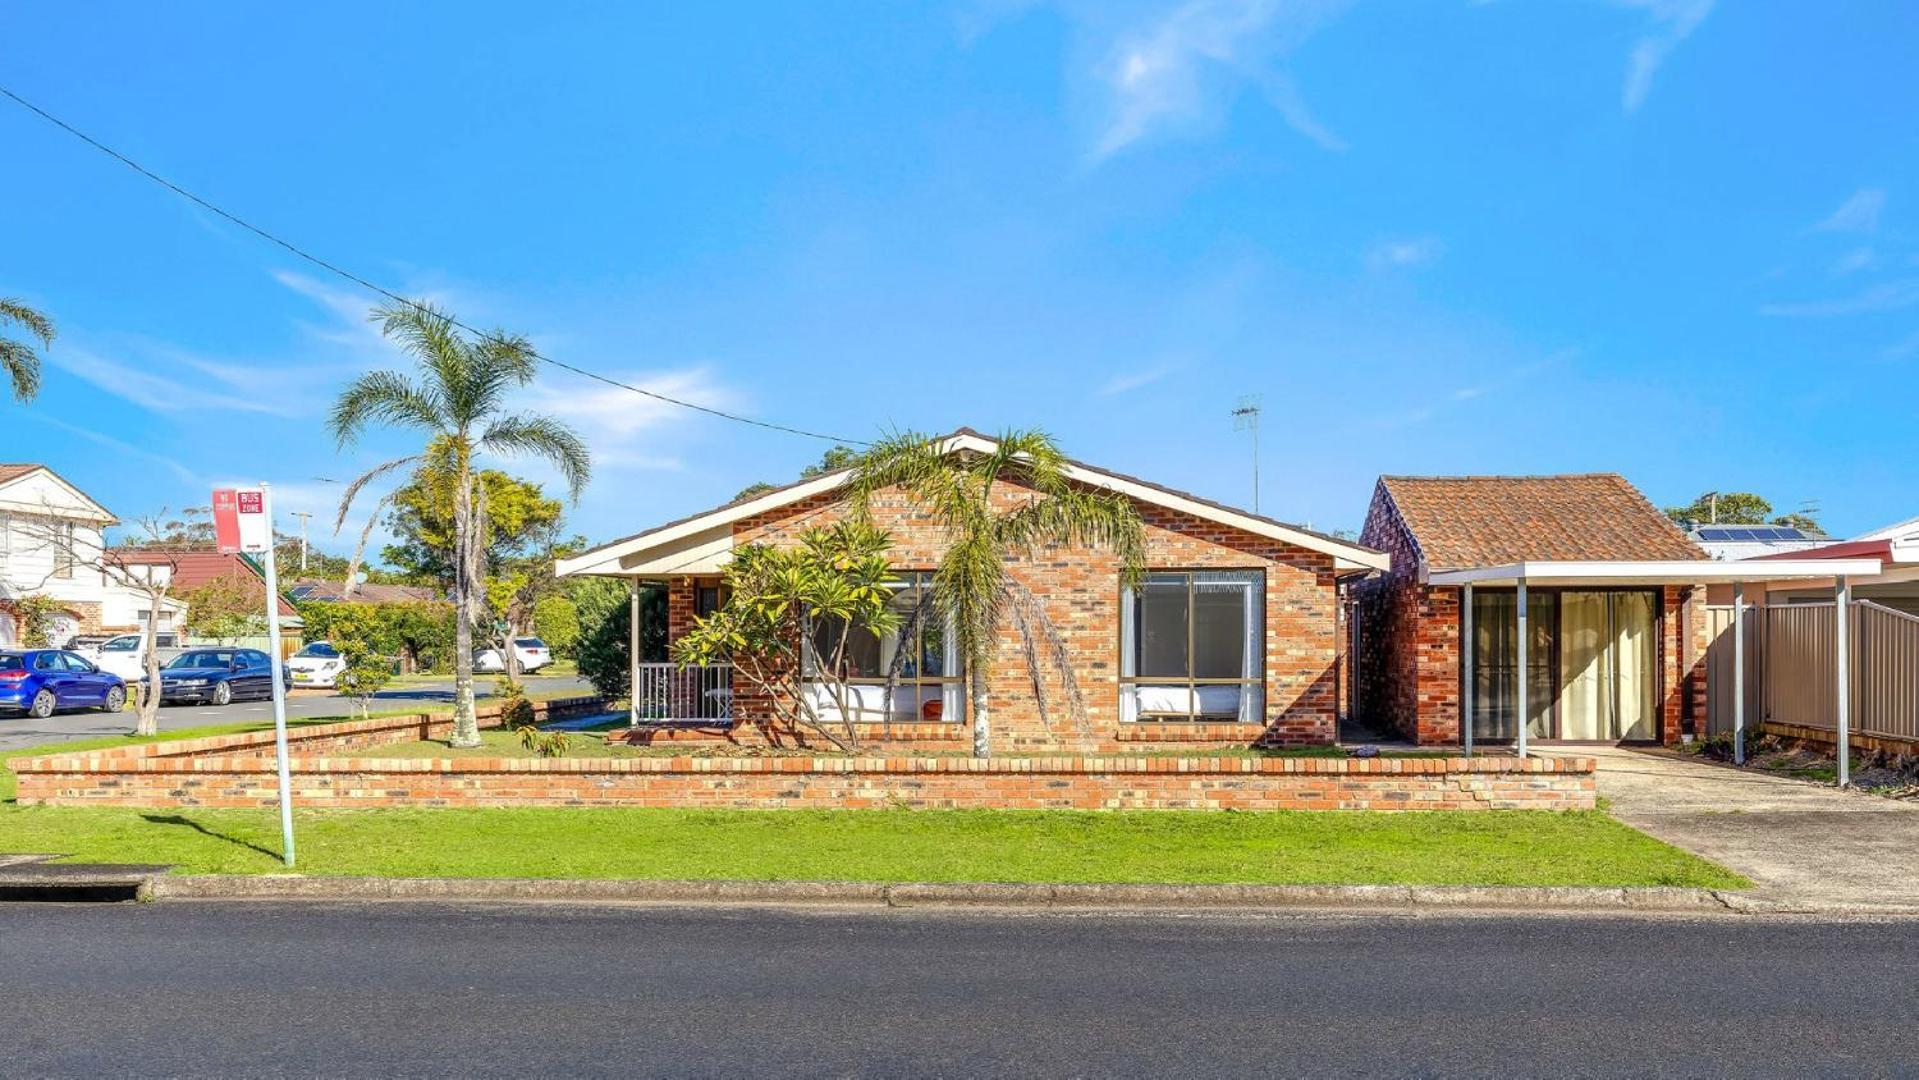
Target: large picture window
{"x":1192,"y":647}
{"x":919,"y":662}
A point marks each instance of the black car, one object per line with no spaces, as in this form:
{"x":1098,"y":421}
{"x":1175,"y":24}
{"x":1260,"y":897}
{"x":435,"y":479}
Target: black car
{"x":216,"y":676}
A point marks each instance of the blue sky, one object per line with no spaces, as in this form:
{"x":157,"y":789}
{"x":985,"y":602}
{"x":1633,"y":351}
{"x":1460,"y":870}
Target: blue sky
{"x":1670,"y":238}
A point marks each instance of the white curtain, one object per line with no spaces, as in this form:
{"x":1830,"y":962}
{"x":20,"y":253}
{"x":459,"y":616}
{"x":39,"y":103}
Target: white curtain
{"x":1585,"y":665}
{"x":1634,"y":619}
{"x":1128,"y":655}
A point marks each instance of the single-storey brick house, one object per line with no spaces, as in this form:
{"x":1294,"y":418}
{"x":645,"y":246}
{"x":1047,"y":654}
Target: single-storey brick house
{"x":1233,"y":637}
{"x":1614,"y":602}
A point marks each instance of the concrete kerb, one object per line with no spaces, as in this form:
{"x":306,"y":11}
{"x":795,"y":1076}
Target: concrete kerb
{"x":1430,"y":898}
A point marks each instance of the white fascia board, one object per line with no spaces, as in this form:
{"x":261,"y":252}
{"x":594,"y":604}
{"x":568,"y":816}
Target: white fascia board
{"x":622,"y":552}
{"x":1657,"y":572}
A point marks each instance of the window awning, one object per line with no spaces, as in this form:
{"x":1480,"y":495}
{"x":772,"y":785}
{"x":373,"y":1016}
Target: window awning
{"x":1673,"y":572}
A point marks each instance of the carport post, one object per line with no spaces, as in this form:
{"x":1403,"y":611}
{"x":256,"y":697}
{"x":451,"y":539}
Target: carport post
{"x":1519,"y":699}
{"x":633,"y":652}
{"x":1466,"y":666}
{"x":1842,"y":647}
{"x":1739,"y":672}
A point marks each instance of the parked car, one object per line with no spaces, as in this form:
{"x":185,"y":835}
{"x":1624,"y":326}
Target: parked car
{"x":317,"y":665}
{"x":39,"y":681}
{"x":121,"y":655}
{"x":216,"y":676}
{"x":531,"y":652}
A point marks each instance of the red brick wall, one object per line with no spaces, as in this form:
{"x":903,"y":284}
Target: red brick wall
{"x":1408,"y":663}
{"x":243,"y":775}
{"x":1079,"y":591}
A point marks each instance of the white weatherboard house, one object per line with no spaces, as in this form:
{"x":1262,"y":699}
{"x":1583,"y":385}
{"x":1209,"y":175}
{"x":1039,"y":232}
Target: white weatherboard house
{"x":44,"y":522}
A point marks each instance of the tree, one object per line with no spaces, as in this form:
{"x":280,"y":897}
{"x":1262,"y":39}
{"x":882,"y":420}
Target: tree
{"x":1737,"y":508}
{"x":519,"y":518}
{"x":19,"y":362}
{"x":146,"y":571}
{"x":357,"y":631}
{"x":836,"y":457}
{"x":972,"y":587}
{"x":459,"y":398}
{"x":225,"y":609}
{"x":557,"y":622}
{"x":789,"y":614}
{"x":603,"y":652}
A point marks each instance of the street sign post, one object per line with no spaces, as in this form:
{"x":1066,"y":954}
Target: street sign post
{"x":243,"y":523}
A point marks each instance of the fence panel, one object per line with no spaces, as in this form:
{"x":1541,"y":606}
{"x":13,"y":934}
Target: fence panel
{"x":1886,"y":670}
{"x":1719,"y":673}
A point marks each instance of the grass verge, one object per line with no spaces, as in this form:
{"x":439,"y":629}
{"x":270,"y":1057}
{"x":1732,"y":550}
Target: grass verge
{"x":1438,"y":848}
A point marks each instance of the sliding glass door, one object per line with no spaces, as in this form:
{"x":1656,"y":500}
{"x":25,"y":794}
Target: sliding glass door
{"x":1592,"y":664}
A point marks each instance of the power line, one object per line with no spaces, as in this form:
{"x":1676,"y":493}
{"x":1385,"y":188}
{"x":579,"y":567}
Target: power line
{"x":370,"y":286}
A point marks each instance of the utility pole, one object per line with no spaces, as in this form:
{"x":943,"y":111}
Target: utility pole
{"x":1246,"y":418}
{"x":303,"y":516}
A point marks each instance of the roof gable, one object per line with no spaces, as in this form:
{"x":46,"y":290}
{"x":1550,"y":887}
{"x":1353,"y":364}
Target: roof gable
{"x":608,"y":557}
{"x":1459,"y":522}
{"x":34,"y":487}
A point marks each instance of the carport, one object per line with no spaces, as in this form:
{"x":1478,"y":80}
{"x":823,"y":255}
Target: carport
{"x":1599,"y":637}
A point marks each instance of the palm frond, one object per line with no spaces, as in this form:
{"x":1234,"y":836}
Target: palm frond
{"x":530,"y":435}
{"x":37,"y":324}
{"x":21,"y":366}
{"x":385,"y":396}
{"x":365,"y":478}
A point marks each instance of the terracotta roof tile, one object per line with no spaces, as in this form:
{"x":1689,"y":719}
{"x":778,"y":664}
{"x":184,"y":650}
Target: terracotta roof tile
{"x":1467,"y":521}
{"x":192,"y":569}
{"x":14,"y":472}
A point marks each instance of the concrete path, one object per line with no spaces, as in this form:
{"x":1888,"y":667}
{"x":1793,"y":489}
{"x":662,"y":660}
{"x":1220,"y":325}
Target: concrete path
{"x":1804,"y":845}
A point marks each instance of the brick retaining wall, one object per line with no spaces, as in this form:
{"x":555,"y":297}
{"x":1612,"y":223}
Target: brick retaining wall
{"x":238,"y":771}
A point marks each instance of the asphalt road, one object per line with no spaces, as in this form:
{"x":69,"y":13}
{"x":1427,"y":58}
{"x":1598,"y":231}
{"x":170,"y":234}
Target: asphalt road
{"x":21,"y":731}
{"x":185,"y":988}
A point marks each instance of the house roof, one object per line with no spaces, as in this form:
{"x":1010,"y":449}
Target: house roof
{"x":368,"y":592}
{"x":20,"y":470}
{"x":621,"y":556}
{"x":1460,"y":522}
{"x":192,"y":569}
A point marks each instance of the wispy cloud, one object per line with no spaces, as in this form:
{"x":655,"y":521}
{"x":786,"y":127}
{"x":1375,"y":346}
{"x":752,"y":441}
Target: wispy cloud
{"x":1672,"y":22}
{"x":1853,"y":261}
{"x":162,"y":378}
{"x":1183,"y":69}
{"x":1459,"y":396}
{"x":1901,"y":350}
{"x":1891,"y":296}
{"x":1405,"y":252}
{"x":622,"y":428}
{"x":118,"y":446}
{"x":1133,"y":380}
{"x":1858,"y":214}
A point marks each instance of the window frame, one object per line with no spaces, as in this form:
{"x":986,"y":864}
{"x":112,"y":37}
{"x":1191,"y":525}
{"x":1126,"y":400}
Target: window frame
{"x":1192,"y":683}
{"x":917,"y":581}
{"x":64,"y":559}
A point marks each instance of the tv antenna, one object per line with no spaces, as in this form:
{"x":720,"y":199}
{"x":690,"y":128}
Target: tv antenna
{"x":1246,"y":418}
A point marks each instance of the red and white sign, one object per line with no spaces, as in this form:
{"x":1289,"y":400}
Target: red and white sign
{"x":240,"y":520}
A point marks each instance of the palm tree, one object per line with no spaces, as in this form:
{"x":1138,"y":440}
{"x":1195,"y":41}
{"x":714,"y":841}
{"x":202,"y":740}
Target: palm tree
{"x":459,"y":402}
{"x":18,"y":361}
{"x":972,"y":587}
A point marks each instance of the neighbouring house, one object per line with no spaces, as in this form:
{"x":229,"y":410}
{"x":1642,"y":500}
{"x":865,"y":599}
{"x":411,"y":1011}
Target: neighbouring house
{"x":50,"y":531}
{"x":1896,"y":585}
{"x":321,"y":591}
{"x":1610,"y":594}
{"x":1753,"y":541}
{"x":192,"y":569}
{"x":1233,"y":637}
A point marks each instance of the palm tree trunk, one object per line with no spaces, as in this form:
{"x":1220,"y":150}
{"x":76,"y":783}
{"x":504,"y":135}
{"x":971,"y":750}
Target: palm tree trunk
{"x":466,"y":726}
{"x":982,"y":721}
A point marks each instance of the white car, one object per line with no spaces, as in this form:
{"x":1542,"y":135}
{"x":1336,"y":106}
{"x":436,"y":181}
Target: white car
{"x":121,"y":655}
{"x":317,"y":665}
{"x":531,"y":652}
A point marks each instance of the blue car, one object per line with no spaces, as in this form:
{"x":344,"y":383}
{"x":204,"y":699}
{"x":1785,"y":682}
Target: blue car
{"x":216,"y":676}
{"x":38,"y":681}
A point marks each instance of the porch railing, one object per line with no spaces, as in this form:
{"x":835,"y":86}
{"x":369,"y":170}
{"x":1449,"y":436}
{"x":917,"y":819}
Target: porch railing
{"x":669,"y":693}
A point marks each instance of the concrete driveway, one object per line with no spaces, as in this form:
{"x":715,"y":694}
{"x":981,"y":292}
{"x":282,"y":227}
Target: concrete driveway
{"x":1804,"y":845}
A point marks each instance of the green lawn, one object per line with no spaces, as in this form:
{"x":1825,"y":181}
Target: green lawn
{"x":1439,"y":848}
